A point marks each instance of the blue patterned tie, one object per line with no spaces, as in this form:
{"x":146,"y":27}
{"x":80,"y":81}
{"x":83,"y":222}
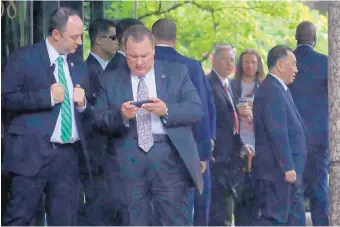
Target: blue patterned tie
{"x":144,"y":127}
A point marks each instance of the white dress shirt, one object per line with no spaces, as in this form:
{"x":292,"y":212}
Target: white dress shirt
{"x":281,"y":81}
{"x":101,"y":61}
{"x":150,"y":80}
{"x":56,"y":136}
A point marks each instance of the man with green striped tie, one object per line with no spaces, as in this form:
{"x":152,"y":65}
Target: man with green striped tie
{"x":44,"y":87}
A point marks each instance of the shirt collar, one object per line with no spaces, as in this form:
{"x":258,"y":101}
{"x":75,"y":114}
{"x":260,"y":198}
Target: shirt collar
{"x":305,"y":45}
{"x":225,"y":82}
{"x":101,"y":61}
{"x":163,"y":45}
{"x":281,"y":81}
{"x":121,"y":52}
{"x":53,"y":54}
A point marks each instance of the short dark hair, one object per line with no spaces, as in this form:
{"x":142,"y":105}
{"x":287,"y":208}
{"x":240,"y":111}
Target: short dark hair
{"x":276,"y":53}
{"x":138,"y":33}
{"x":59,"y":18}
{"x":123,"y":25}
{"x":239,"y":69}
{"x":164,"y":29}
{"x":99,"y":27}
{"x":305,"y":33}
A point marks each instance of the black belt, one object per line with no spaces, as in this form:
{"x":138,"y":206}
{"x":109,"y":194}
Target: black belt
{"x":157,"y":138}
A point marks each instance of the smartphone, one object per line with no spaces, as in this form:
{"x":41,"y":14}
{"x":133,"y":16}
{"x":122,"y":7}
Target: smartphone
{"x":140,"y":103}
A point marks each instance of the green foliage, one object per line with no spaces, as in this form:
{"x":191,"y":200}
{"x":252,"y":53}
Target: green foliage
{"x":244,"y":24}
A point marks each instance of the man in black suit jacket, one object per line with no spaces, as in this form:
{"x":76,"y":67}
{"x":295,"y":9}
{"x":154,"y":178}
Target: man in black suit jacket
{"x":164,"y":31}
{"x":44,"y":88}
{"x":119,"y":60}
{"x":103,"y":39}
{"x":279,"y":143}
{"x":154,"y":144}
{"x":226,"y":154}
{"x":310,"y":94}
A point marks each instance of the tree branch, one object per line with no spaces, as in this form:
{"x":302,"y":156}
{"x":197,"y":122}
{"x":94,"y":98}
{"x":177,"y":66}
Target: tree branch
{"x":159,"y":11}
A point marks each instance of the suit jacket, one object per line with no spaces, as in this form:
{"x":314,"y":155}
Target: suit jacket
{"x":26,"y":94}
{"x":97,"y":142}
{"x":279,"y":132}
{"x":184,"y":109}
{"x":118,"y":61}
{"x":94,"y":70}
{"x":206,"y":129}
{"x":310,"y":93}
{"x":228,"y":145}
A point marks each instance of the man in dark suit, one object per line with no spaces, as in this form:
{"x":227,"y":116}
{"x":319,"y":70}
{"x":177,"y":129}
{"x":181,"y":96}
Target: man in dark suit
{"x":310,"y":94}
{"x":44,"y":88}
{"x":226,"y":153}
{"x":96,"y":210}
{"x":279,"y":143}
{"x":119,"y":60}
{"x":164,"y":31}
{"x":154,"y":144}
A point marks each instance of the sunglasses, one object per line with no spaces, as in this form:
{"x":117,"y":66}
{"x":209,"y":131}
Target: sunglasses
{"x":113,"y":37}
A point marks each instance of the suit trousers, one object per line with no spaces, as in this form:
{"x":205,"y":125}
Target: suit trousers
{"x":280,"y":203}
{"x":221,"y":205}
{"x":315,"y":182}
{"x":199,"y":205}
{"x":156,"y":185}
{"x":58,"y":178}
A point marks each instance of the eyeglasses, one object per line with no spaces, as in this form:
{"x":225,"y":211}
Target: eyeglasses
{"x":113,"y":37}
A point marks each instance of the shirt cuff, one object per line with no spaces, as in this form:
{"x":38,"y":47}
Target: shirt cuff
{"x":82,"y":109}
{"x":52,"y":101}
{"x":126,"y":123}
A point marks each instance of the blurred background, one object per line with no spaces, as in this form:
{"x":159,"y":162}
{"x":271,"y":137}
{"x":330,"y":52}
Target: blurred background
{"x":201,"y":24}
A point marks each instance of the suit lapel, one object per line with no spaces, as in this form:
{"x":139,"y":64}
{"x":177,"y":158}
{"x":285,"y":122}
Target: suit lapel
{"x":161,"y":81}
{"x":220,"y":87}
{"x":290,"y":100}
{"x":73,"y":71}
{"x":45,"y":58}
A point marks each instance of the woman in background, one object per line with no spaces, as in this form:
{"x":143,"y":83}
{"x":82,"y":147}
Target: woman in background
{"x":248,"y":76}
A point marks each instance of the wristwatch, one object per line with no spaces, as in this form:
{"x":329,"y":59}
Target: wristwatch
{"x":165,"y":117}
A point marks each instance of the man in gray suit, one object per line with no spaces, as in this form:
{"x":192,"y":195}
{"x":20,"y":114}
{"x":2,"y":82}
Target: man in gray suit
{"x":153,"y":143}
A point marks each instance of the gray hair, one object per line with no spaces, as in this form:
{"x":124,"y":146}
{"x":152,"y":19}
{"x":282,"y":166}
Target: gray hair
{"x":218,"y":48}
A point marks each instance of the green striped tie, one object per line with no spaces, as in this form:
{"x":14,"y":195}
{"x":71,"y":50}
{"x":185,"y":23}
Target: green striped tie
{"x":66,"y":114}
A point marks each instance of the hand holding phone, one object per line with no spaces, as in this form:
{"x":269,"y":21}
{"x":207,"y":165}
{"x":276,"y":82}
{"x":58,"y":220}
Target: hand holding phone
{"x":140,"y":103}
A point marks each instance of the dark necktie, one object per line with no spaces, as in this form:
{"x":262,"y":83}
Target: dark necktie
{"x":144,"y":127}
{"x":237,"y":125}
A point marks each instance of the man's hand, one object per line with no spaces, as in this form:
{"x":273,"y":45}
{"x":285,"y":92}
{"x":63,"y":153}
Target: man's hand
{"x":79,"y":96}
{"x":290,"y":176}
{"x":245,"y":111}
{"x":157,"y":107}
{"x":57,"y":92}
{"x":203,"y":166}
{"x":128,"y":111}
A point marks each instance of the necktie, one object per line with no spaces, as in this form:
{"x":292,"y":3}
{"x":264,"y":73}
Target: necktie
{"x":236,"y":126}
{"x":144,"y":127}
{"x":66,"y":114}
